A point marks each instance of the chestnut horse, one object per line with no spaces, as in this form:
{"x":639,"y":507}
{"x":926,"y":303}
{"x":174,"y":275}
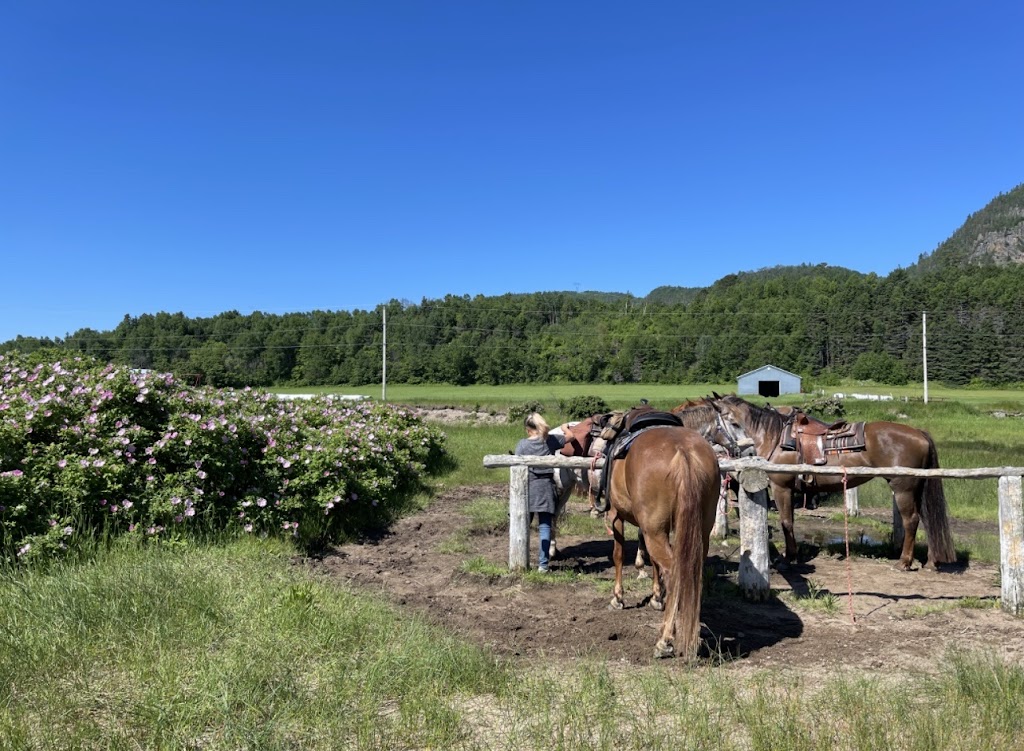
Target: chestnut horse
{"x":887,"y":444}
{"x":667,"y":484}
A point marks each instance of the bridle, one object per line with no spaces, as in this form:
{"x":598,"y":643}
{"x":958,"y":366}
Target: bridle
{"x":732,"y":443}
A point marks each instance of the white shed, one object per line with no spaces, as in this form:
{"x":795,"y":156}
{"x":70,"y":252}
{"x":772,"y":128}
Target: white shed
{"x":768,"y":381}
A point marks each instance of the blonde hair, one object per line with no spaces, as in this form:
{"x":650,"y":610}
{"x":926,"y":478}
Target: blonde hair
{"x":535,"y":421}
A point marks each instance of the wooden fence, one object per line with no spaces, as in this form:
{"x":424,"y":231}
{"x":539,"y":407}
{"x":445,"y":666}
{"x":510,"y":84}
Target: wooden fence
{"x":753,"y":509}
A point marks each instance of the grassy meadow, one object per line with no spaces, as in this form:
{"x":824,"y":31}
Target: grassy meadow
{"x":229,"y":645}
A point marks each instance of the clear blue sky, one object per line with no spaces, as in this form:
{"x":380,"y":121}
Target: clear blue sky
{"x":241,"y":155}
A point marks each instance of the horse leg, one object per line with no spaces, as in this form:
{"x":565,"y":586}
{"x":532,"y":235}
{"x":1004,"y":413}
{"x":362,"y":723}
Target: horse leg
{"x":641,"y":556}
{"x":906,"y":503}
{"x":618,"y":542}
{"x":784,"y":502}
{"x":657,"y":588}
{"x":661,"y":563}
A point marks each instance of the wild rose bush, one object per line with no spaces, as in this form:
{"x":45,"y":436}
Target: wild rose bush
{"x":87,"y":449}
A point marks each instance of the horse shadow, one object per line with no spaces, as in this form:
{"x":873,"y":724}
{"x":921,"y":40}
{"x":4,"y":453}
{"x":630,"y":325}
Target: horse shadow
{"x":732,"y":627}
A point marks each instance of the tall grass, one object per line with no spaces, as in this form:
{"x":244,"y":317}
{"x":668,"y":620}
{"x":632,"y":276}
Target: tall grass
{"x":219,"y":647}
{"x":233,"y":647}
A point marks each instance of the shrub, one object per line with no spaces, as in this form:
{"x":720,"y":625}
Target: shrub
{"x":825,"y":406}
{"x":518,"y":413}
{"x":581,"y":407}
{"x":89,"y":450}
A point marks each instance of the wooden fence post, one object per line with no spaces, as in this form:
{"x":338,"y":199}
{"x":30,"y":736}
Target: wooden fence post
{"x":852,"y":501}
{"x":1011,"y":544}
{"x":898,"y":533}
{"x":518,"y":518}
{"x":754,"y":576}
{"x":721,"y":529}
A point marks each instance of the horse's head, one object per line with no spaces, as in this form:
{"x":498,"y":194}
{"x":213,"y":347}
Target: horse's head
{"x":609,"y":424}
{"x":732,"y":427}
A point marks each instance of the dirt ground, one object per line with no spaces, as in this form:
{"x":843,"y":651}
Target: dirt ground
{"x":901,"y":619}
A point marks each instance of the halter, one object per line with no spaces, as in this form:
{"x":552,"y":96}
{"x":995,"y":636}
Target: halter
{"x":732,"y":442}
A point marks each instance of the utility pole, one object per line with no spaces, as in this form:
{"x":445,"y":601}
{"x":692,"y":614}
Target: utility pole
{"x":924,"y":351}
{"x":384,"y":359}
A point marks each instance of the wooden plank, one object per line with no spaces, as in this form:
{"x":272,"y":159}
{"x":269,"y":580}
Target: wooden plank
{"x":518,"y":519}
{"x":754,"y":576}
{"x":492,"y":461}
{"x":1011,"y":544}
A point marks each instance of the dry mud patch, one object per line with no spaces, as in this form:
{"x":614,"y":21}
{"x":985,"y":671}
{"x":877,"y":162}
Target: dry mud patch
{"x":900,"y":621}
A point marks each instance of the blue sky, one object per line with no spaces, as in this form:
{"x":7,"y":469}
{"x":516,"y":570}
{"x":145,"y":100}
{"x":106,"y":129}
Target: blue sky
{"x":212,"y":156}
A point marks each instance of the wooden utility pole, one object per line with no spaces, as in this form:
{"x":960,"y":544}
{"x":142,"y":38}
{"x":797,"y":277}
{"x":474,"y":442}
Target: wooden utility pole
{"x":924,"y":351}
{"x":384,"y":359}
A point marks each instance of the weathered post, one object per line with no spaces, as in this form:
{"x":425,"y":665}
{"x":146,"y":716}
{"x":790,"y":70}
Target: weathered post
{"x":852,"y":502}
{"x":898,"y":533}
{"x":754,"y":577}
{"x":1011,"y":544}
{"x":518,"y":518}
{"x":721,"y":528}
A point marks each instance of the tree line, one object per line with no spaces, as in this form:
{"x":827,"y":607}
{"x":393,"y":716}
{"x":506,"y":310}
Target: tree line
{"x":823,"y":322}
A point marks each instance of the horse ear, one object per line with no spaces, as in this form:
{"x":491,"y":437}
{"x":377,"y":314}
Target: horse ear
{"x":715,"y":395}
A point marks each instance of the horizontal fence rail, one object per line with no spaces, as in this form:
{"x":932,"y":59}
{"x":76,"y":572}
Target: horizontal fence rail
{"x":753,"y":507}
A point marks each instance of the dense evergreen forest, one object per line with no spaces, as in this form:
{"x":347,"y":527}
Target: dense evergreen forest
{"x":823,"y":322}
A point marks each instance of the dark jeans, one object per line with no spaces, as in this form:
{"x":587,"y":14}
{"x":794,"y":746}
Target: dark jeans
{"x":544,"y":529}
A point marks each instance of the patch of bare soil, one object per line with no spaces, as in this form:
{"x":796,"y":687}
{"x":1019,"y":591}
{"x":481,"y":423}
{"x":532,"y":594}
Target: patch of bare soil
{"x":900,"y":620}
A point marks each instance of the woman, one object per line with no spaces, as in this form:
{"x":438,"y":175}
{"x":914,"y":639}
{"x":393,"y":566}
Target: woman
{"x":541,"y":492}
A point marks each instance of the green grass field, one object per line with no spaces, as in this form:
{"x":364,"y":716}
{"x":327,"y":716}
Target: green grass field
{"x":660,"y":395}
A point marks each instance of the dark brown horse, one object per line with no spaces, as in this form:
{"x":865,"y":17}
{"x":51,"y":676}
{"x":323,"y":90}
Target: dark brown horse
{"x":667,"y":484}
{"x":886,"y":444}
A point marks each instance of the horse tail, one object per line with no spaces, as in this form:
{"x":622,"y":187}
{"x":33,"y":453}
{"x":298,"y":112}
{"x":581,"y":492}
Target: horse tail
{"x":688,"y":549}
{"x":934,"y":515}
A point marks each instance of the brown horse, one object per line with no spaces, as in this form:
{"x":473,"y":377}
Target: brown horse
{"x":886,"y":444}
{"x":667,"y":484}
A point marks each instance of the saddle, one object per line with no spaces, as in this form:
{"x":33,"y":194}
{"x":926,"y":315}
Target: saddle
{"x":579,"y":437}
{"x":815,"y":439}
{"x":620,"y":429}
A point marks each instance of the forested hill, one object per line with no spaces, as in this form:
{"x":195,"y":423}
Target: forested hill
{"x":821,"y":321}
{"x":994,"y":235}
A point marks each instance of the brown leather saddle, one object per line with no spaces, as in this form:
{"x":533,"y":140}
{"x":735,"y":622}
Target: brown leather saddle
{"x":815,"y":440}
{"x":620,"y":429}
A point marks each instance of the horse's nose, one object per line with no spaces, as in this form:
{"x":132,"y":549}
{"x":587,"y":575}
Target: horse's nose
{"x":747,"y":449}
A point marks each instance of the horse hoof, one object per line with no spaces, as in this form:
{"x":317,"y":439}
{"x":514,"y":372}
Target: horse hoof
{"x":615,"y":604}
{"x":657,"y":604}
{"x":664,"y":649}
{"x":642,"y":574}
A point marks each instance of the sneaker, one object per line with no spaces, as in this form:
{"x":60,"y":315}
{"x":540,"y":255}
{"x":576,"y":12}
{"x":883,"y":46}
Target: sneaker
{"x":542,"y":569}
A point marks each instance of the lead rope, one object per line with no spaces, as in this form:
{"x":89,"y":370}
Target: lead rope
{"x":846,"y":534}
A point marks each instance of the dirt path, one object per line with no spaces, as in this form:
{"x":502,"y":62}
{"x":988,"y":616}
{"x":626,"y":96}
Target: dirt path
{"x":901,"y":619}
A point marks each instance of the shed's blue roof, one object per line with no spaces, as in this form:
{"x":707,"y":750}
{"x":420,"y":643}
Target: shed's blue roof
{"x":767,"y":367}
